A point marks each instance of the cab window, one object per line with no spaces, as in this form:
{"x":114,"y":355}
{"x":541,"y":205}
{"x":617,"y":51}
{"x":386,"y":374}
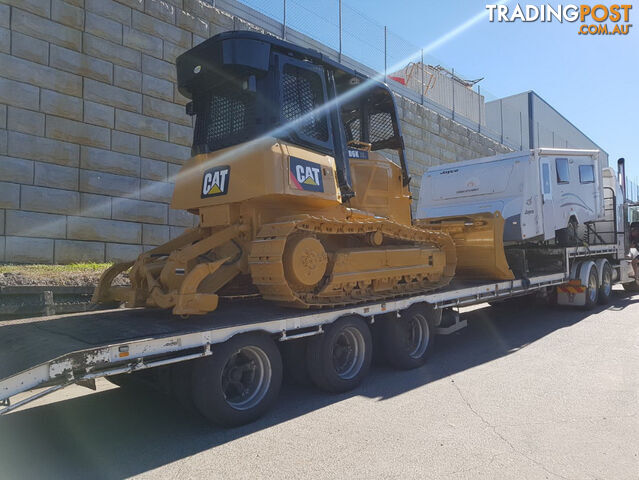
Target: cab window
{"x":563,"y":172}
{"x":586,"y":174}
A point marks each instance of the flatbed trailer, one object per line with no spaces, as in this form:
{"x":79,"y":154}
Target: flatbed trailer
{"x":50,"y":353}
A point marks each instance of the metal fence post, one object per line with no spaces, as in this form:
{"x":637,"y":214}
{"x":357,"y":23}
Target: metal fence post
{"x":340,"y":30}
{"x":453,"y":84}
{"x":385,"y":51}
{"x":284,"y":21}
{"x":479,"y":106}
{"x":422,"y":69}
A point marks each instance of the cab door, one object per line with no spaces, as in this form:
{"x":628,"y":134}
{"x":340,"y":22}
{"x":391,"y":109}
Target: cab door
{"x":548,"y":206}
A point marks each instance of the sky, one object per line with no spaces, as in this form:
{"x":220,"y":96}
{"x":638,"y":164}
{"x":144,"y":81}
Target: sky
{"x":592,"y":80}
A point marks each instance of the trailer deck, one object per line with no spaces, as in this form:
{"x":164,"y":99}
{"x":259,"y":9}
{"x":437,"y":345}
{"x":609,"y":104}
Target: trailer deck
{"x":60,"y":350}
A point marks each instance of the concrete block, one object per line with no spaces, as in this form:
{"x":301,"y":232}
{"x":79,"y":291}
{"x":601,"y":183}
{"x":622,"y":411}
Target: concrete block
{"x":141,"y":125}
{"x":5,"y":40}
{"x":176,"y":232}
{"x":153,"y":169}
{"x":24,"y":71}
{"x":9,"y":195}
{"x":95,"y":205}
{"x":16,"y":170}
{"x":67,"y":14}
{"x":76,"y":132}
{"x":81,"y":64}
{"x":109,"y":184}
{"x":165,"y":151}
{"x":180,"y":134}
{"x":159,"y":68}
{"x":125,"y":142}
{"x":71,"y":251}
{"x":101,"y":230}
{"x":43,"y":149}
{"x":32,"y":224}
{"x":114,"y":96}
{"x":3,"y":141}
{"x":134,"y":4}
{"x":155,"y":234}
{"x":201,"y":8}
{"x":29,"y":48}
{"x":39,"y":7}
{"x":3,"y":116}
{"x":173,"y":171}
{"x":172,"y":51}
{"x":142,"y":41}
{"x":47,"y":30}
{"x":160,"y":9}
{"x":109,"y":161}
{"x":5,"y":16}
{"x":19,"y":94}
{"x":2,"y":228}
{"x":50,"y":200}
{"x":61,"y":105}
{"x":25,"y":121}
{"x":56,"y":176}
{"x":127,"y":78}
{"x":165,"y":110}
{"x":98,"y":114}
{"x":28,"y":250}
{"x":110,"y":9}
{"x":156,"y":191}
{"x":192,"y":23}
{"x":139,"y":211}
{"x":159,"y":29}
{"x":181,"y":218}
{"x":112,"y":52}
{"x":156,"y":87}
{"x":103,"y":27}
{"x":116,"y":252}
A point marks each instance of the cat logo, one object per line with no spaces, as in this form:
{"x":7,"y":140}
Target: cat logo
{"x":305,"y":175}
{"x":215,"y":181}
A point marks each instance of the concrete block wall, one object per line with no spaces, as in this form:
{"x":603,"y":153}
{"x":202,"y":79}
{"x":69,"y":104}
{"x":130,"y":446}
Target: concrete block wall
{"x":92,"y":127}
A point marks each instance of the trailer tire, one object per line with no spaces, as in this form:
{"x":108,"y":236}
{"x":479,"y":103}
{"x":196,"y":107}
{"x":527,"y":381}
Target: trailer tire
{"x":407,"y":341}
{"x":605,"y":286}
{"x":182,"y":384}
{"x":239,"y":382}
{"x":592,"y":289}
{"x":339,"y":359}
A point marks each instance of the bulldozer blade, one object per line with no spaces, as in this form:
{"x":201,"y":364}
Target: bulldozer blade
{"x":105,"y":292}
{"x":479,"y":242}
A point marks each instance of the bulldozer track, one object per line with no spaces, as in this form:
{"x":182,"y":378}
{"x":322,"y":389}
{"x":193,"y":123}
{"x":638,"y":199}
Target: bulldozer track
{"x":267,"y":268}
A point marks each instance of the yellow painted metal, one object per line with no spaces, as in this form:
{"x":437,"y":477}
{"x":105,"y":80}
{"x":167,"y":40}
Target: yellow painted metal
{"x":479,"y":244}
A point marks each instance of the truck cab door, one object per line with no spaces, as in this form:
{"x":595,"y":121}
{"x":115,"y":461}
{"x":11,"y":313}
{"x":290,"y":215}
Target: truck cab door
{"x":548,"y":209}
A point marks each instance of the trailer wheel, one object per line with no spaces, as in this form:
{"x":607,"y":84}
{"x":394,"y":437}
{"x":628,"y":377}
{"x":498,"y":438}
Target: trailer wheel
{"x":407,"y":341}
{"x":339,"y":359}
{"x":592,"y":289}
{"x":239,"y":382}
{"x":605,"y":289}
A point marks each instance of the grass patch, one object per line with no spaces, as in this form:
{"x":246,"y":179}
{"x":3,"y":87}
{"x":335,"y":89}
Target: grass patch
{"x":54,"y":269}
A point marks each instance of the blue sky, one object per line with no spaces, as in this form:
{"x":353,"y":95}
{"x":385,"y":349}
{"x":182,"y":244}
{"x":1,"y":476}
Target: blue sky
{"x":591,"y":80}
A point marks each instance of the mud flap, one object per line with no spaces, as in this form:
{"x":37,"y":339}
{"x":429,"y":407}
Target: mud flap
{"x":479,"y":242}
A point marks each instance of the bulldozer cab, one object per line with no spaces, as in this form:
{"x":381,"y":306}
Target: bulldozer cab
{"x":245,"y":86}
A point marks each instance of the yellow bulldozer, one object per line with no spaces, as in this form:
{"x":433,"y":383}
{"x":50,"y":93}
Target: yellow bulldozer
{"x":295,"y":199}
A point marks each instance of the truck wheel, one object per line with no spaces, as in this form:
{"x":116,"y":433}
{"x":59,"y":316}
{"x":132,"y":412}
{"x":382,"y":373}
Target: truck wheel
{"x":605,"y":289}
{"x":592,"y":289}
{"x":567,"y":237}
{"x":339,"y":359}
{"x":407,"y":341}
{"x":239,"y":382}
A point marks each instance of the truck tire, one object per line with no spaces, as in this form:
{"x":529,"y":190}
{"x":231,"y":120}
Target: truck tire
{"x":605,"y":287}
{"x":339,"y":359}
{"x":407,"y":341}
{"x":592,"y":289}
{"x":239,"y":382}
{"x":567,"y":237}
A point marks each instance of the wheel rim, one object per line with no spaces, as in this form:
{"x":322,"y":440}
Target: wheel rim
{"x":246,"y":378}
{"x":592,"y":286}
{"x":417,"y":336}
{"x":607,"y":281}
{"x":348,"y":353}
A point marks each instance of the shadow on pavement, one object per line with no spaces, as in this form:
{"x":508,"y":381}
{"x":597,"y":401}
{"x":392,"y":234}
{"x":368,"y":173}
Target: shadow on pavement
{"x":122,"y":432}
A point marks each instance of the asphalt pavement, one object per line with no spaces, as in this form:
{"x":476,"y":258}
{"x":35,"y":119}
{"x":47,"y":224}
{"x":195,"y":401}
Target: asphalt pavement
{"x":524,"y":392}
